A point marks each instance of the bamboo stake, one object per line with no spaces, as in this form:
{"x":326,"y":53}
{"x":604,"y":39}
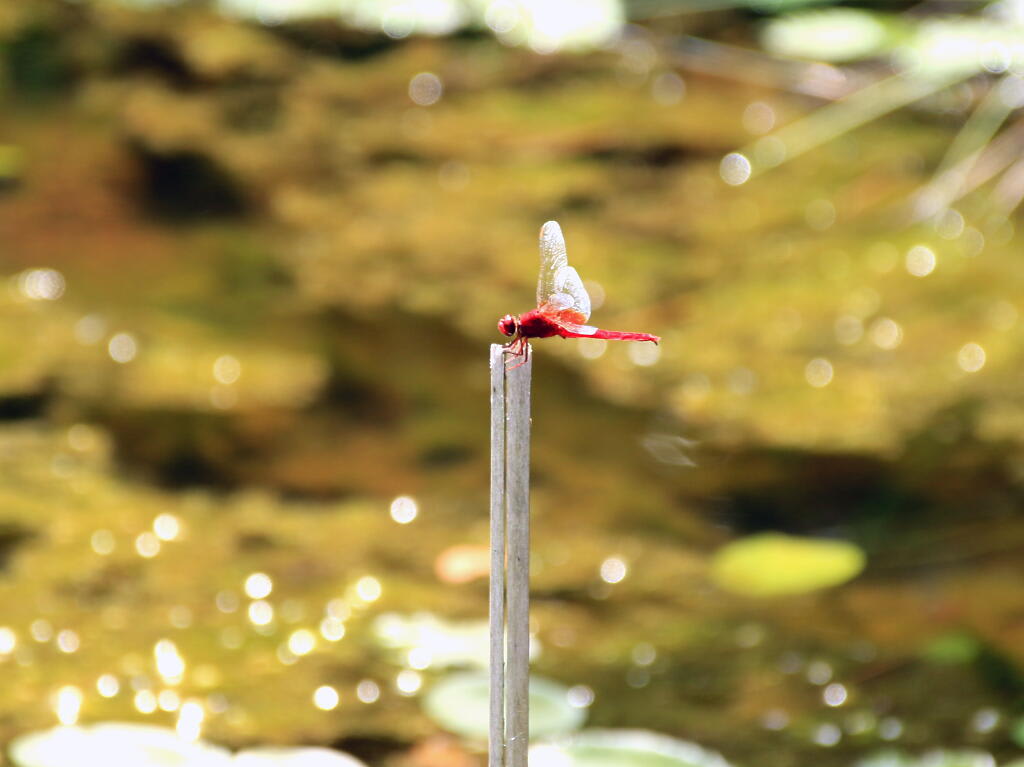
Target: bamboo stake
{"x":510,"y":569}
{"x":496,"y":738}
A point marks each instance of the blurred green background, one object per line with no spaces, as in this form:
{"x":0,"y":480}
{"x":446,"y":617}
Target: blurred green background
{"x":253,"y":255}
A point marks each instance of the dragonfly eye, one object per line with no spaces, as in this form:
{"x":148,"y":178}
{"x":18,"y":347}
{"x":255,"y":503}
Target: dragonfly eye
{"x":507,"y":325}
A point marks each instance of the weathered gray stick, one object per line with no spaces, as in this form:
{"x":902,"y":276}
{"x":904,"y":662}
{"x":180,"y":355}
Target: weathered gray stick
{"x":496,"y":738}
{"x":517,"y":504}
{"x":510,"y":561}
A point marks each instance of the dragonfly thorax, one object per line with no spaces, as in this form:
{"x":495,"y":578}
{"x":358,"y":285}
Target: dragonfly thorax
{"x":508,"y":325}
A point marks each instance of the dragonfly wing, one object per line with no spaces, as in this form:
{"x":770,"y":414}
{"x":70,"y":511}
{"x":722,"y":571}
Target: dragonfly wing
{"x":559,"y":286}
{"x":552,"y":260}
{"x":573,"y":327}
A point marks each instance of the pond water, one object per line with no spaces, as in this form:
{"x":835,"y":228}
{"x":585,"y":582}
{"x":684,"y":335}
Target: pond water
{"x":252,"y":277}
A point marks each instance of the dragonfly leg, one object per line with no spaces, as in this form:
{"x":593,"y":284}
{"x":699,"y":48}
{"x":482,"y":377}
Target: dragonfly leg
{"x":517,"y":347}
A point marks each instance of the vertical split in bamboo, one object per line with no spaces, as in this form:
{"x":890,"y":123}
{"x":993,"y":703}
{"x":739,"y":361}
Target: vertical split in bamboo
{"x":517,"y":505}
{"x":510,"y":561}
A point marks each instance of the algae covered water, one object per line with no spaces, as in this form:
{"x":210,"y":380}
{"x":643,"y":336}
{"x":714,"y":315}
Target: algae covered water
{"x":252,"y":269}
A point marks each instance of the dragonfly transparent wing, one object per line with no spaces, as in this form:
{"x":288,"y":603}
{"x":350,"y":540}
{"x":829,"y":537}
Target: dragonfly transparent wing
{"x":560,"y":290}
{"x":572,"y":327}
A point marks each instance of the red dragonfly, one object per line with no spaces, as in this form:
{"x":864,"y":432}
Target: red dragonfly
{"x":563,"y":305}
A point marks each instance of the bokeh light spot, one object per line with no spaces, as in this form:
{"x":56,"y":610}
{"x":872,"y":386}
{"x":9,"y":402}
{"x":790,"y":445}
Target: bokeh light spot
{"x":613,"y":570}
{"x":890,"y":728}
{"x":68,"y":641}
{"x":971,"y":357}
{"x":818,"y":372}
{"x":167,"y":527}
{"x":326,"y":698}
{"x":644,"y":654}
{"x":302,"y":642}
{"x":368,"y":588}
{"x":404,"y":509}
{"x":89,"y":330}
{"x":886,"y":333}
{"x":226,"y":601}
{"x":668,"y":89}
{"x":8,"y":640}
{"x":145,"y":702}
{"x":820,"y":214}
{"x":425,"y":89}
{"x":227,"y":369}
{"x":261,"y":613}
{"x":368,"y":691}
{"x":122,"y":348}
{"x":102,"y":542}
{"x":41,"y":284}
{"x":834,"y":695}
{"x":408,"y":682}
{"x":580,"y":696}
{"x":849,"y":329}
{"x":170,"y":665}
{"x":827,"y":735}
{"x":462,"y":563}
{"x":643,"y":353}
{"x":332,"y":629}
{"x":108,"y":685}
{"x":258,"y":586}
{"x":67,"y":703}
{"x":920,"y":260}
{"x":758,"y":118}
{"x":735,"y":169}
{"x":168,"y":700}
{"x":147,"y":545}
{"x":819,"y":672}
{"x":591,"y":348}
{"x":190,"y":720}
{"x":41,"y":630}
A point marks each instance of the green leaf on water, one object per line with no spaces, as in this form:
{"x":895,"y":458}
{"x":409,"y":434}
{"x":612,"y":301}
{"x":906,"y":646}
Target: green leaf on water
{"x":12,"y":160}
{"x":954,"y":648}
{"x":774,"y":564}
{"x":459,"y":703}
{"x":1017,"y":736}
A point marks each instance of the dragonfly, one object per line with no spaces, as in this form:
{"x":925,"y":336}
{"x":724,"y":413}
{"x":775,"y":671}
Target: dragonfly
{"x":563,"y":304}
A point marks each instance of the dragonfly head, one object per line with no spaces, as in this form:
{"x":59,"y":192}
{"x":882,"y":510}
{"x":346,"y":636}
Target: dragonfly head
{"x":508,"y":325}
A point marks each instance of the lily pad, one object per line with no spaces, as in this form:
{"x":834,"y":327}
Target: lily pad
{"x":623,"y":748}
{"x":958,"y":47}
{"x":113,"y":743}
{"x":940,"y":757}
{"x":888,"y":757}
{"x":440,"y":643}
{"x":836,"y":34}
{"x":460,"y":703}
{"x":773,"y":564}
{"x":943,"y":757}
{"x":294,"y":757}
